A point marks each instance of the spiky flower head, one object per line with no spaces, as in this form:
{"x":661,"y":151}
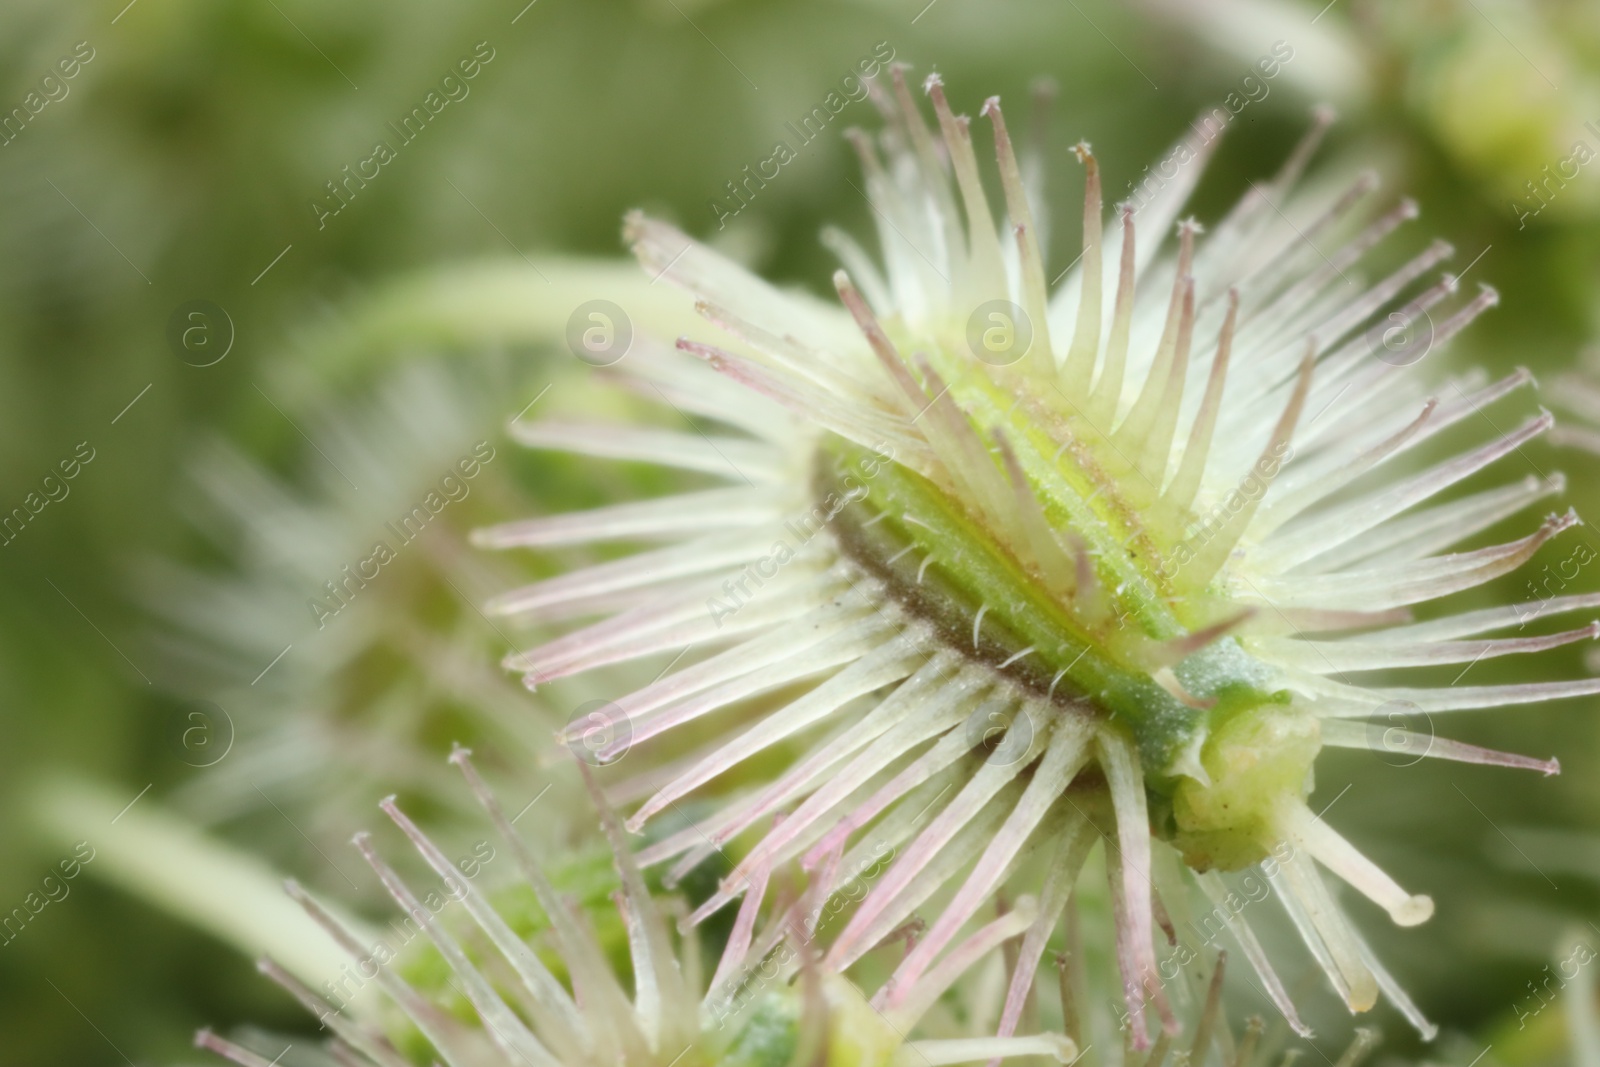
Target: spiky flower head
{"x":561,"y":1001}
{"x":336,"y":655}
{"x":1104,"y":562}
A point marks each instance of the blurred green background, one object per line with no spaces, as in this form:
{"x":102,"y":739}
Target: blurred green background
{"x":181,"y":161}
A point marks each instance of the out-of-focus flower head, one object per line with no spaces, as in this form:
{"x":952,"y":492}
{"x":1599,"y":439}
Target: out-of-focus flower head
{"x":335,"y":651}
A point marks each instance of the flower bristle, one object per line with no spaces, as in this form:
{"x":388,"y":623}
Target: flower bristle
{"x":1111,"y":584}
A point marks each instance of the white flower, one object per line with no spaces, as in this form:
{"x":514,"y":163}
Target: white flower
{"x":563,"y":1004}
{"x":1051,"y":568}
{"x":320,"y":666}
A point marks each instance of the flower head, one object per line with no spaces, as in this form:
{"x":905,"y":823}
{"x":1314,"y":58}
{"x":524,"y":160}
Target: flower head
{"x":333,"y":659}
{"x":560,"y":1001}
{"x":1107,"y":562}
